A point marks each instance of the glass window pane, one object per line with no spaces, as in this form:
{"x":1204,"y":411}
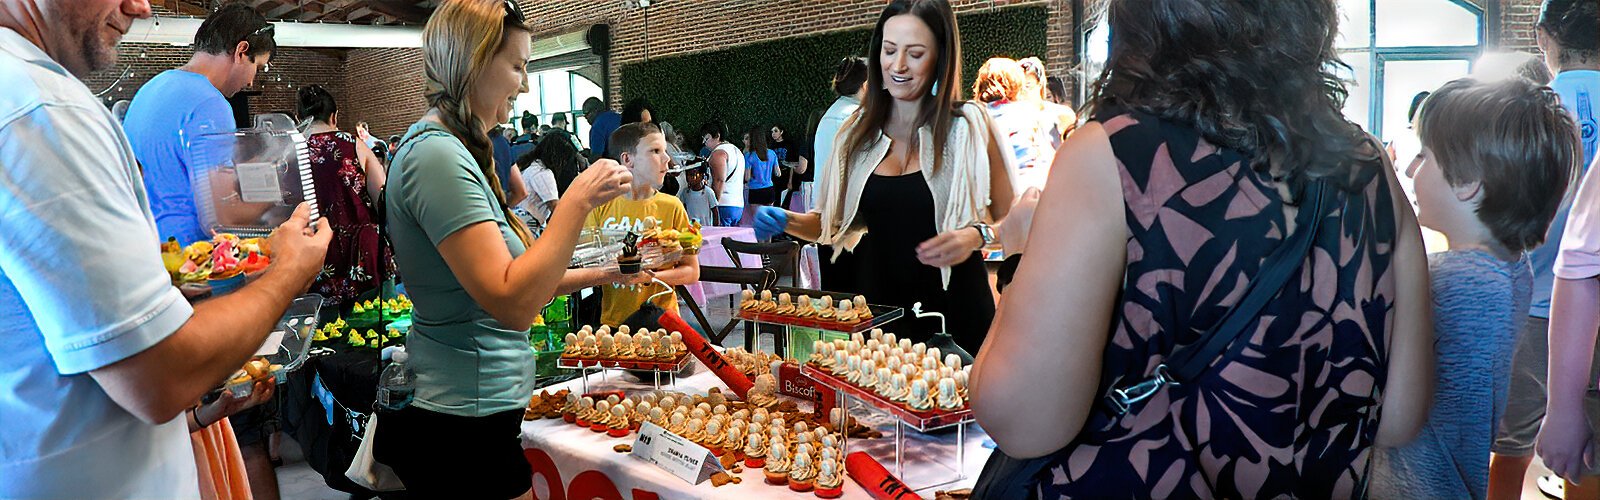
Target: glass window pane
{"x":556,"y":89}
{"x":583,"y":89}
{"x":1425,"y":23}
{"x":530,"y":101}
{"x":1097,"y":50}
{"x":1403,"y":80}
{"x":1358,"y":82}
{"x":1355,"y":24}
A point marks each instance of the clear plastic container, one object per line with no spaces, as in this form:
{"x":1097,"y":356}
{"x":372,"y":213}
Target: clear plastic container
{"x":249,"y":181}
{"x":297,"y":326}
{"x":593,"y":250}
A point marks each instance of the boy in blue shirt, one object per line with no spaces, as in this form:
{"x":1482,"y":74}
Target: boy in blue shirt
{"x":1495,"y":161}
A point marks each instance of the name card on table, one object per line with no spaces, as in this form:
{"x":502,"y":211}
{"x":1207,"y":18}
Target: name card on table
{"x":677,"y":455}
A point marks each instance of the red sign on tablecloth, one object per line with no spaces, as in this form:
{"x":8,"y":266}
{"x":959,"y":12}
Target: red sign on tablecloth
{"x":591,"y":484}
{"x":793,"y":383}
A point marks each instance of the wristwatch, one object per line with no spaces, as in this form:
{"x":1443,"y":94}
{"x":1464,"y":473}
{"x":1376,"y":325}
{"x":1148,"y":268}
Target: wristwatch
{"x":986,"y":232}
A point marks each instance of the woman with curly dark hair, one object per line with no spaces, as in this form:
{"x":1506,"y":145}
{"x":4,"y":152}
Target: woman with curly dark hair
{"x":547,"y":170}
{"x":1215,"y":141}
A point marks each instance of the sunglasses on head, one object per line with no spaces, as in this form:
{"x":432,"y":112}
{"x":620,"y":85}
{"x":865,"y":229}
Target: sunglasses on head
{"x":269,"y":28}
{"x":514,"y":12}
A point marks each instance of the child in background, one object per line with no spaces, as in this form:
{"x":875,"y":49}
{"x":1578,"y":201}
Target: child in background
{"x":764,"y":168}
{"x":643,"y":150}
{"x":697,"y":198}
{"x":1496,"y":159}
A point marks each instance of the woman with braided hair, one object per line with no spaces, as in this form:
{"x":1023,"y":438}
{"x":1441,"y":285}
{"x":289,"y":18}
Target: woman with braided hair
{"x":476,"y":277}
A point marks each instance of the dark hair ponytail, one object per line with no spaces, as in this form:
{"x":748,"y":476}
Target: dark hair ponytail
{"x":316,"y":104}
{"x":1575,"y":25}
{"x":850,"y":76}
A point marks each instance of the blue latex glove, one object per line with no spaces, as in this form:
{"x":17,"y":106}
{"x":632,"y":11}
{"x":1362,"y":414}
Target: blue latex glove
{"x":770,"y":221}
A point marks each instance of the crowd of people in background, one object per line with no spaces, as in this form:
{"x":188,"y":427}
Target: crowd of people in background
{"x":1178,"y":210}
{"x":1015,"y":94}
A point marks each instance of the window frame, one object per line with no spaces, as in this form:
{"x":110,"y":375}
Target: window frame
{"x":536,"y":85}
{"x":1378,"y":56}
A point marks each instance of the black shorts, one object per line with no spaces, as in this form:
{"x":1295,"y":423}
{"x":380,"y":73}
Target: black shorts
{"x":439,"y":456}
{"x":252,"y":426}
{"x":763,"y":196}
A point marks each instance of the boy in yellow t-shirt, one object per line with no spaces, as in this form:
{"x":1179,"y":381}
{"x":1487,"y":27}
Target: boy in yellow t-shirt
{"x":643,"y":150}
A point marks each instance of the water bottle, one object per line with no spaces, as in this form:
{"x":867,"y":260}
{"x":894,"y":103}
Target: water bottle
{"x":397,"y":384}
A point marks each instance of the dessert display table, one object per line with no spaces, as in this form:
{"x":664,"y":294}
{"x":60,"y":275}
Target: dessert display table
{"x":571,"y":462}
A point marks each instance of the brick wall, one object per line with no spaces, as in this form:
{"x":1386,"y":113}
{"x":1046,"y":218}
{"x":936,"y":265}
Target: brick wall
{"x":298,"y":67}
{"x":685,"y":26}
{"x":1517,"y":21}
{"x":384,"y":88}
{"x":291,"y":68}
{"x":142,"y":61}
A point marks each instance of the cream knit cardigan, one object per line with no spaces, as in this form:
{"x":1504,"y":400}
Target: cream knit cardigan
{"x":961,"y":185}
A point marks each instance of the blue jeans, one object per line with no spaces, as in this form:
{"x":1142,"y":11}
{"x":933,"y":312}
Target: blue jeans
{"x":729,"y":216}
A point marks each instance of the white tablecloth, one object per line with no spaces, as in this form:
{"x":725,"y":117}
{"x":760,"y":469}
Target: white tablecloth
{"x":586,"y":463}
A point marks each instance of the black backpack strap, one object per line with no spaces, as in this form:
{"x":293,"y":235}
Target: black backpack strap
{"x":1190,"y":361}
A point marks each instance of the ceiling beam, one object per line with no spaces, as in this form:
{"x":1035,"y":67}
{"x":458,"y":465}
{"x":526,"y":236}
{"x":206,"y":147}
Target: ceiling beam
{"x":187,"y":8}
{"x":283,"y":9}
{"x":336,"y":9}
{"x":358,"y":13}
{"x":312,"y":11}
{"x":405,"y":11}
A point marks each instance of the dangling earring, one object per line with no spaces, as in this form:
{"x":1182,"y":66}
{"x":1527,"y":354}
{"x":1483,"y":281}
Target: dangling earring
{"x":936,"y":88}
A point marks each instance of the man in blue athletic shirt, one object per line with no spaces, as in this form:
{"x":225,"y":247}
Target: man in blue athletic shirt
{"x":230,"y":48}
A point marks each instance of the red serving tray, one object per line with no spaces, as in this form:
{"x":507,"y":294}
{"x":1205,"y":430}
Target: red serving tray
{"x":677,"y":364}
{"x":921,"y":421}
{"x":880,"y":315}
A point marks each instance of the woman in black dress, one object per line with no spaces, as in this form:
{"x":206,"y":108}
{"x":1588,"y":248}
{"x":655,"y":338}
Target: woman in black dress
{"x":917,"y":179}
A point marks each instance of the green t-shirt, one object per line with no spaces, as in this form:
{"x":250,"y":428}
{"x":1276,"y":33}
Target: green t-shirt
{"x":466,"y":363}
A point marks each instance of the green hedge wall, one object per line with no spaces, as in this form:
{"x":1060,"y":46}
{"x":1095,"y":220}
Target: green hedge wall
{"x":785,"y":81}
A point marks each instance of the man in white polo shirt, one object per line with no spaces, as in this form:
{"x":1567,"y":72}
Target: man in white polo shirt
{"x":98,"y":351}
